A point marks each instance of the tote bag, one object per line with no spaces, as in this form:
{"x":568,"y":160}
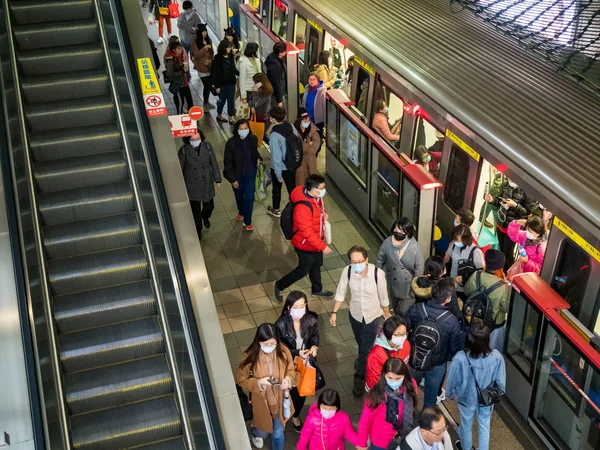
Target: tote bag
{"x":258,"y":128}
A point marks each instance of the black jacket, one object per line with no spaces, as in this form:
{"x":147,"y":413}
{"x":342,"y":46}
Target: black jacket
{"x":276,"y":73}
{"x":309,"y":330}
{"x":232,"y":169}
{"x":154,"y":55}
{"x":522,"y":210}
{"x":223,"y":71}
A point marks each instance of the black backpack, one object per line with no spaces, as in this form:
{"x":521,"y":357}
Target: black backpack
{"x":477,"y":305}
{"x":293,"y":150}
{"x":466,"y":267}
{"x":427,"y":341}
{"x":287,"y":218}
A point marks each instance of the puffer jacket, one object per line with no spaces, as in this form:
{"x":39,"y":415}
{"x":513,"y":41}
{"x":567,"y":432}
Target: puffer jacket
{"x":318,"y":433}
{"x":324,"y":74}
{"x":535,"y":249}
{"x":379,"y":356}
{"x":309,"y":225}
{"x":247,"y":69}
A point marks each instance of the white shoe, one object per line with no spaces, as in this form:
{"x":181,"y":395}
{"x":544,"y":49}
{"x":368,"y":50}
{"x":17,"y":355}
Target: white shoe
{"x":422,"y":383}
{"x":160,"y":41}
{"x":257,"y":442}
{"x":441,"y":397}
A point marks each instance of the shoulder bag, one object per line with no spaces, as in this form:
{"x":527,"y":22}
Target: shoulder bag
{"x":491,"y":394}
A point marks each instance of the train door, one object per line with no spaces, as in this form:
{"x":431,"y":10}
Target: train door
{"x":313,"y":41}
{"x":300,"y":33}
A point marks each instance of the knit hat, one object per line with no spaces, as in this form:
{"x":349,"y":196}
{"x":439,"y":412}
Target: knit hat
{"x":494,"y":260}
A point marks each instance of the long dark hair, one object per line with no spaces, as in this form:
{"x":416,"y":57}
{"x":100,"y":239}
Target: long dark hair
{"x":266,"y":90}
{"x":324,"y":58}
{"x":264,"y":332}
{"x":231,"y":32}
{"x":292,"y":298}
{"x":477,"y":344}
{"x":202,"y":41}
{"x":376,"y":396}
{"x":223,"y":46}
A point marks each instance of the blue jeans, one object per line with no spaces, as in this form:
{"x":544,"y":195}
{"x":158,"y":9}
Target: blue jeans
{"x":276,"y":435}
{"x":497,"y":339}
{"x":484,"y":417}
{"x":244,"y":196}
{"x":433,"y":380}
{"x":226,"y":95}
{"x":187,"y":47}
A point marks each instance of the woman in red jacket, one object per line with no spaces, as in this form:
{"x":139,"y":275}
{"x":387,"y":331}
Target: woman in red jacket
{"x":391,"y":343}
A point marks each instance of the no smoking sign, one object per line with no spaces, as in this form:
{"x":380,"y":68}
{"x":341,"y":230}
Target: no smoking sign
{"x":155,"y":105}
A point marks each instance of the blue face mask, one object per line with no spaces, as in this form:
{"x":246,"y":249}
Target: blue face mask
{"x":387,"y":109}
{"x":305,"y":124}
{"x":459,"y":244}
{"x":394,"y":385}
{"x":427,"y":159}
{"x":456,"y":223}
{"x":359,"y":268}
{"x":243,"y":133}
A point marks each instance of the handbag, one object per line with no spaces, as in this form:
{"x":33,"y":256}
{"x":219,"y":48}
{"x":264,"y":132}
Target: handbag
{"x":515,"y":269}
{"x":489,"y":396}
{"x":242,"y":110}
{"x":257,"y":128}
{"x":166,"y":78}
{"x":174,"y":10}
{"x":174,"y":87}
{"x":163,"y":10}
{"x":311,"y":377}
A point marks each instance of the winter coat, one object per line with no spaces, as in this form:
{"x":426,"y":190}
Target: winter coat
{"x":382,"y":126}
{"x":309,"y":225}
{"x":421,"y":287}
{"x":324,"y":74}
{"x":451,"y":341}
{"x":200,"y":171}
{"x":535,"y":249}
{"x":187,"y":26}
{"x":262,"y":418}
{"x":318,"y":433}
{"x":379,"y":356}
{"x":521,"y":211}
{"x":309,"y":330}
{"x":203,"y":57}
{"x":247,"y":69}
{"x":400,"y":273}
{"x":261,"y":104}
{"x":372,"y":424}
{"x":174,"y":67}
{"x":461,"y":384}
{"x":499,"y":298}
{"x":232,"y":160}
{"x":223,"y":71}
{"x":311,"y":143}
{"x":315,"y":101}
{"x":413,"y":442}
{"x":276,"y":73}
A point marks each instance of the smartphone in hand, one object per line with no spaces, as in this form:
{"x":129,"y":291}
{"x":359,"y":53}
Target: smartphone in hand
{"x":274,"y":381}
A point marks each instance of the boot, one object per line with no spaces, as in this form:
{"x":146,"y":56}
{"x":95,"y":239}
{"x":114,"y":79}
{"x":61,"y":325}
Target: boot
{"x":359,"y":386}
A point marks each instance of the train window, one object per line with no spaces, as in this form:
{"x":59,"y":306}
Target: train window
{"x":353,"y":150}
{"x":571,"y":275}
{"x":312,"y":51}
{"x":431,"y":139}
{"x":522,"y":329}
{"x":388,"y":186}
{"x":456,"y":181}
{"x":332,"y":128}
{"x":362,"y":93}
{"x":387,"y":114}
{"x":280,"y":18}
{"x":265,"y":9}
{"x":410,"y":203}
{"x":299,"y":32}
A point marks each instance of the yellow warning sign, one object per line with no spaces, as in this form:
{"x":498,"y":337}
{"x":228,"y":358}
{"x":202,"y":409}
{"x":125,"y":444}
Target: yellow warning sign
{"x":463,"y":145}
{"x":589,"y":248}
{"x":148,"y":79}
{"x":315,"y":25}
{"x":364,"y":65}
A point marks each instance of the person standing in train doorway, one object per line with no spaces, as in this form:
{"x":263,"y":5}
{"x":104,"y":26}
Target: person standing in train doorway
{"x":314,"y":101}
{"x":277,"y":73}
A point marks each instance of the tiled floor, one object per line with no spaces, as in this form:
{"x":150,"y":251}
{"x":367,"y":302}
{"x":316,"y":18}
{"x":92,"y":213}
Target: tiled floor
{"x":243,"y":265}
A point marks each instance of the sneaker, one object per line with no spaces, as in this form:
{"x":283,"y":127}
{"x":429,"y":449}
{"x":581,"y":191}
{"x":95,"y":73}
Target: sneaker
{"x":239,"y":217}
{"x":422,"y":383}
{"x":459,"y":446}
{"x":257,"y":442}
{"x":441,"y":397}
{"x":359,"y":386}
{"x":277,"y":292}
{"x":250,"y":227}
{"x":160,"y":40}
{"x":206,"y":223}
{"x":325,"y":294}
{"x":274,"y":212}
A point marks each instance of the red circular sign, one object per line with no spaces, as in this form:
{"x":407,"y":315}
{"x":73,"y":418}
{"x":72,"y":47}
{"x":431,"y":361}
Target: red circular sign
{"x":196,"y":113}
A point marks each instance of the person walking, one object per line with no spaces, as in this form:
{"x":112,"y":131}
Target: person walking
{"x":401,"y":259}
{"x":311,"y":143}
{"x":314,"y":100}
{"x":203,"y":54}
{"x":476,"y":365}
{"x":200,"y":173}
{"x":429,"y":360}
{"x":299,"y":332}
{"x":240,"y":166}
{"x":267,"y":370}
{"x":187,"y":23}
{"x":389,"y":407}
{"x":248,"y":66}
{"x":431,"y":434}
{"x":176,"y":66}
{"x":277,"y":74}
{"x":327,"y":426}
{"x":223,"y":77}
{"x":369,"y":304}
{"x":159,"y":11}
{"x":309,"y":218}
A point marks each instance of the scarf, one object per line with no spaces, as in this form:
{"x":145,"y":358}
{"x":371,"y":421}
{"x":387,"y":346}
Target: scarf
{"x":270,"y":367}
{"x":391,"y":411}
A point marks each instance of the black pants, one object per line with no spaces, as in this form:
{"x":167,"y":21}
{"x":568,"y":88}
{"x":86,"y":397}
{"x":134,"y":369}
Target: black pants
{"x":185,"y":94}
{"x":364,"y":335}
{"x":289,"y":178}
{"x":507,"y":247}
{"x":206,"y":84}
{"x":201,"y":211}
{"x":308,"y":263}
{"x":298,"y":402}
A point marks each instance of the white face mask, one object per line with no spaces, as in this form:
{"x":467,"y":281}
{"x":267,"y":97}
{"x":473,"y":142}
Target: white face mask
{"x":297,"y":313}
{"x":321,"y":193}
{"x":268,"y":348}
{"x":195,"y":144}
{"x":398,"y":341}
{"x":327,"y":414}
{"x":529,"y":235}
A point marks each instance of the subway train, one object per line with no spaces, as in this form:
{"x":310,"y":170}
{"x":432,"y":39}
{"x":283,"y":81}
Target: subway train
{"x":488,"y":113}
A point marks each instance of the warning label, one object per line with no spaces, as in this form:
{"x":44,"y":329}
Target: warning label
{"x":183,"y":125}
{"x":155,"y":105}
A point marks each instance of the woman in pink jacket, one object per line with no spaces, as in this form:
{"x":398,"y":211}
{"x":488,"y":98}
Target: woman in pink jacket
{"x":532,"y":239}
{"x":326,"y":426}
{"x":389,"y":407}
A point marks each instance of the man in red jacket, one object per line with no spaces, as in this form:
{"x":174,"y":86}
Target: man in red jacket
{"x":308,"y":240}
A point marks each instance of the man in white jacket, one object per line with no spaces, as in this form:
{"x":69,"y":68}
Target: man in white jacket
{"x":431,"y":434}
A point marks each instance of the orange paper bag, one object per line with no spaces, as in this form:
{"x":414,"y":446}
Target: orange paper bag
{"x":258,"y":128}
{"x":308,"y":378}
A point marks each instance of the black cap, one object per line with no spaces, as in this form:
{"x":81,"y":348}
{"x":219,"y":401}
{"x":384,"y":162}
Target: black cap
{"x":302,"y":112}
{"x":494,"y":260}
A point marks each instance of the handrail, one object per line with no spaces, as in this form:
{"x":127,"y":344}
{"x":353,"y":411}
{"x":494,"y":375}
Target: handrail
{"x":54,"y":353}
{"x":145,"y":232}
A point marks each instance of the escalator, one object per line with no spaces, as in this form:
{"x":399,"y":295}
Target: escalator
{"x":118,"y":382}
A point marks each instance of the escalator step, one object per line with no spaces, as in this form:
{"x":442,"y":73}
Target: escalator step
{"x":76,"y":141}
{"x":65,"y":86}
{"x":171,"y":444}
{"x":118,"y":384}
{"x":56,"y":34}
{"x":99,"y":347}
{"x":97,"y":270}
{"x":126,"y":426}
{"x":104,"y":306}
{"x":55,"y":60}
{"x":38,"y":11}
{"x":70,"y":113}
{"x":85,"y":203}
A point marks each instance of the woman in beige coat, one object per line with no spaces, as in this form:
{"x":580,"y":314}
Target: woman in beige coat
{"x":311,"y":143}
{"x":267,"y":371}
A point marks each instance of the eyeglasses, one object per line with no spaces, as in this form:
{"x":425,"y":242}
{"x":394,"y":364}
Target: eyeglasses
{"x":357,"y":262}
{"x":439,"y":433}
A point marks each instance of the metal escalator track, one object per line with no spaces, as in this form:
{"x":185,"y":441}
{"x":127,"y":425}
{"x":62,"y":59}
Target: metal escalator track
{"x":117,"y":383}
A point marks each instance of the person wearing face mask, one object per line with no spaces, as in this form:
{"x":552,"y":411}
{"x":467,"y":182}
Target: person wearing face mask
{"x":368,"y":305}
{"x":532,"y":243}
{"x":203,"y":54}
{"x":324,"y":71}
{"x":187,"y":23}
{"x":402,"y":260}
{"x":381,"y":122}
{"x":311,"y":143}
{"x":327,"y":426}
{"x":299,"y":331}
{"x":259,"y":98}
{"x":240,"y":165}
{"x":267,"y":370}
{"x":200,"y":173}
{"x":464,"y":256}
{"x":223,"y":77}
{"x":431,"y":434}
{"x":389,"y":407}
{"x":314,"y":102}
{"x":391,"y":343}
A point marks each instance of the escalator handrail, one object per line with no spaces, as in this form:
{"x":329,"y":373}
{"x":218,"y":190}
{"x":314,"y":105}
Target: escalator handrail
{"x":52,"y":334}
{"x":200,"y":370}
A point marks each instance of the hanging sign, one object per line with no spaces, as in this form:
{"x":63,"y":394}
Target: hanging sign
{"x":182,"y":126}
